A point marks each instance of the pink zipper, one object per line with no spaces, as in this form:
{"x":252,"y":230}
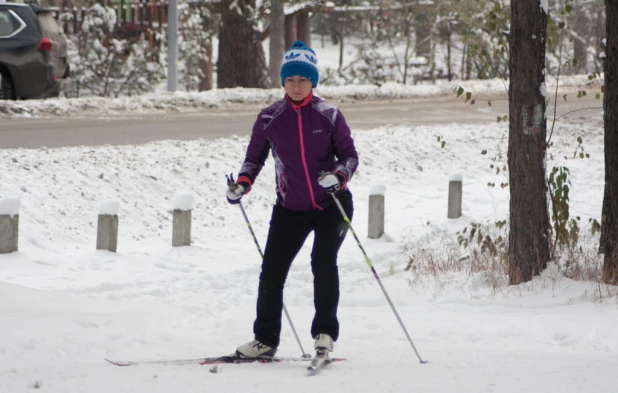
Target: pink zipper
{"x":304,"y":159}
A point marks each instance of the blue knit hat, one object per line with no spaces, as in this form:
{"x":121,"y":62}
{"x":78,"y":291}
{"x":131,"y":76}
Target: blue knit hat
{"x":300,"y":60}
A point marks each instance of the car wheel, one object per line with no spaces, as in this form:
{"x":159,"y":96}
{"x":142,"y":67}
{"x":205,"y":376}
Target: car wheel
{"x":6,"y":88}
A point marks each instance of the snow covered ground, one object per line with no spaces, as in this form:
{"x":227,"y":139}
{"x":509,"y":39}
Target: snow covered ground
{"x":64,"y":306}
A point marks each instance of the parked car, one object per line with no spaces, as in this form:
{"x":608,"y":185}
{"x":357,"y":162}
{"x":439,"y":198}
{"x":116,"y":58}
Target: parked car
{"x":33,"y":52}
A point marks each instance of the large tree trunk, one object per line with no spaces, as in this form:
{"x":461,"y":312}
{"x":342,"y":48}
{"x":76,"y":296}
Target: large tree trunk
{"x":303,"y":27}
{"x":603,"y":236}
{"x":241,"y":57}
{"x":291,"y":32}
{"x":598,"y":34}
{"x":207,"y":69}
{"x":277,"y":42}
{"x":529,"y":220}
{"x":206,"y":65}
{"x":610,"y":106}
{"x":581,"y":26}
{"x":449,"y":33}
{"x":422,"y":29}
{"x":343,"y":20}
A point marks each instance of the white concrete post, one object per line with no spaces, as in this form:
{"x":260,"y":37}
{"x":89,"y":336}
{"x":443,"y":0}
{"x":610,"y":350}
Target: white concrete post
{"x":9,"y":225}
{"x":181,"y":231}
{"x":107,"y":229}
{"x":376,"y":212}
{"x":455,"y":193}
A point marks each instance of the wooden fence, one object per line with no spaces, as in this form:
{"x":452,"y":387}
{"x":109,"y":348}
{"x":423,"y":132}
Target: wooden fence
{"x":151,"y":15}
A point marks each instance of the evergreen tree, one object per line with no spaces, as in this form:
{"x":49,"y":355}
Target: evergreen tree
{"x":107,"y":66}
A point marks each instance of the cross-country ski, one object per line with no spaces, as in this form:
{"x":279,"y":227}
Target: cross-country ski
{"x":229,"y":359}
{"x":318,"y":362}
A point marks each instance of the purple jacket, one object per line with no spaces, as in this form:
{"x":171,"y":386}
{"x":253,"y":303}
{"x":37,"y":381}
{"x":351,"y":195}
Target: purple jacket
{"x":304,"y":141}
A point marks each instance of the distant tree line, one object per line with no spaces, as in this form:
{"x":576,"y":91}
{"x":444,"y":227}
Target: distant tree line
{"x":379,"y":41}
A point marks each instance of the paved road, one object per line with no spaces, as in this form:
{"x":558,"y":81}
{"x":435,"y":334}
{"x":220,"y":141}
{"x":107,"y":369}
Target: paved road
{"x":213,"y":123}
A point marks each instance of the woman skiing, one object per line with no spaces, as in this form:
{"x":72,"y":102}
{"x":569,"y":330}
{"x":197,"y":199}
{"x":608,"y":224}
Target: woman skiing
{"x":314,"y":156}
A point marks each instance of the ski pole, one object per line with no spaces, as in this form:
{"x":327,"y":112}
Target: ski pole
{"x":231,"y":183}
{"x":375,"y":274}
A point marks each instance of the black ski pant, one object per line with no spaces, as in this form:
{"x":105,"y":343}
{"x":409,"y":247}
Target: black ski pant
{"x":287,"y":234}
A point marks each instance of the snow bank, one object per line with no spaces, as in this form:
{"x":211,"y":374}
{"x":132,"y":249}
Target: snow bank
{"x":229,"y":98}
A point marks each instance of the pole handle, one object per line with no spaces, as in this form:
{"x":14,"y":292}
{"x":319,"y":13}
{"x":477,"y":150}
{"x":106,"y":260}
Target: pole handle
{"x":231,"y":183}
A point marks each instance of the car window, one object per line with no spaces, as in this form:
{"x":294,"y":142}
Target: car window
{"x":6,"y":23}
{"x":48,"y":23}
{"x":10,"y":23}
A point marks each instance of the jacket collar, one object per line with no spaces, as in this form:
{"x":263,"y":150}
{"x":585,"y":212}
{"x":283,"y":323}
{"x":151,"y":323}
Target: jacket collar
{"x":305,"y":102}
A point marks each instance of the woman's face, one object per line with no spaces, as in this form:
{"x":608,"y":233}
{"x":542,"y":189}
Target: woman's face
{"x":297,"y":87}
